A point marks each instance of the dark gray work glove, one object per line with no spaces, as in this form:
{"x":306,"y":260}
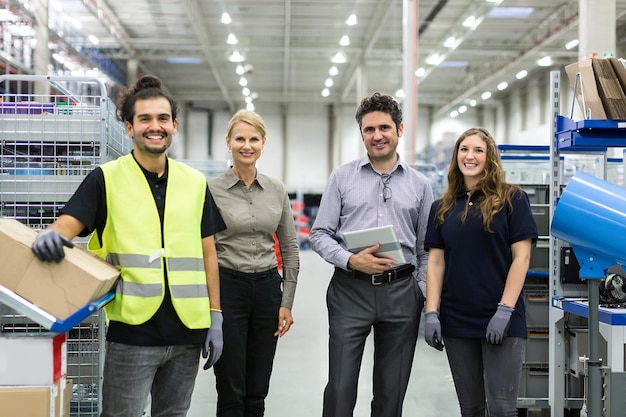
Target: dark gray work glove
{"x":499,"y":324}
{"x":48,"y":246}
{"x":432,"y":330}
{"x":214,"y":343}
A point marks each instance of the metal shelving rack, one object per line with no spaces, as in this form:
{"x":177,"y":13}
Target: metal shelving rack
{"x":54,"y":131}
{"x":576,"y":320}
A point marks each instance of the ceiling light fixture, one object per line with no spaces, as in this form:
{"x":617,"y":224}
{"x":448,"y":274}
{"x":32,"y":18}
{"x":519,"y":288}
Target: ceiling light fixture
{"x":232,"y":39}
{"x":400,"y":93}
{"x":325,"y":92}
{"x":546,"y":61}
{"x":250,"y":106}
{"x":351,"y":21}
{"x":333,"y":71}
{"x":462,"y":109}
{"x":420,"y":72}
{"x":503,"y":85}
{"x":329,"y":82}
{"x":245,"y":91}
{"x":450,"y":42}
{"x":521,"y":74}
{"x":93,"y":39}
{"x":469,"y":22}
{"x":240,"y":70}
{"x":454,"y":113}
{"x":226,"y":18}
{"x":486,"y":95}
{"x":571,"y":44}
{"x":339,"y":58}
{"x":473,"y":103}
{"x":243,"y":82}
{"x":434,"y":59}
{"x":345,"y":40}
{"x":236,"y":57}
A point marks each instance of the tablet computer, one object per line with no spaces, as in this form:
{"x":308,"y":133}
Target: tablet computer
{"x":358,"y":240}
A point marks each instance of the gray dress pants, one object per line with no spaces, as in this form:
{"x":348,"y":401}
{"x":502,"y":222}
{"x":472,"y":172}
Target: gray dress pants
{"x":393,"y":310}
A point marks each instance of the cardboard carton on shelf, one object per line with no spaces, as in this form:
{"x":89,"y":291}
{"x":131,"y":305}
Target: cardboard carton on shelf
{"x":602,"y":82}
{"x":60,"y":289}
{"x":37,"y":400}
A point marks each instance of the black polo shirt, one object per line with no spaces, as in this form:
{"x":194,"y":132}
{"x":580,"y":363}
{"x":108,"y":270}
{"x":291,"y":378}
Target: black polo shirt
{"x":165,"y":328}
{"x":477,"y":264}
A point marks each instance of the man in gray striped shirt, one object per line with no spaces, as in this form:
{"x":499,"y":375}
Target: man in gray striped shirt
{"x":369,"y":291}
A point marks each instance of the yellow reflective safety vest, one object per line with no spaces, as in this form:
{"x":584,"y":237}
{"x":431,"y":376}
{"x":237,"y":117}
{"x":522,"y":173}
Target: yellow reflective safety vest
{"x":131,"y":241}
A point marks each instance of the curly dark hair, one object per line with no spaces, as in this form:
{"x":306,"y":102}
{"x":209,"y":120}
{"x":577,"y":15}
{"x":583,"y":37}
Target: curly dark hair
{"x":148,"y":86}
{"x":379,"y":102}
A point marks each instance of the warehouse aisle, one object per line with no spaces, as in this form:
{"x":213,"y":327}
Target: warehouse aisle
{"x":300,"y":368}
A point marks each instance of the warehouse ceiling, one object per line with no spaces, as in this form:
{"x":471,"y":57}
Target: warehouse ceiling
{"x":286,"y":46}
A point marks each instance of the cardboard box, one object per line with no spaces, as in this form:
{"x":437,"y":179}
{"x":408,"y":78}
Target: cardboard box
{"x":592,"y":106}
{"x":37,"y":401}
{"x":32,"y":358}
{"x":61,"y":288}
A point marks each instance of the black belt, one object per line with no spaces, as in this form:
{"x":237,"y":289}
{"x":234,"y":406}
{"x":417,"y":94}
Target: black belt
{"x":390,"y":275}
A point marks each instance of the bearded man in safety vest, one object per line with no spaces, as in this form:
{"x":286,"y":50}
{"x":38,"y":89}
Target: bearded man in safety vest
{"x":153,"y":218}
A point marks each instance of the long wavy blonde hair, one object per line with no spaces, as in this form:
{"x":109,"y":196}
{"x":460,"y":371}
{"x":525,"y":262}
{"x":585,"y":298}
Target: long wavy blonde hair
{"x":495,"y":191}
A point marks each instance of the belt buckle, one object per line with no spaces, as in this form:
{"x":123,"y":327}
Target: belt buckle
{"x":374,"y":276}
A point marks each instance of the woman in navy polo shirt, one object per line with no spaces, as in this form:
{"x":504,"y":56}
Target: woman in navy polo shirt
{"x":479,"y":239}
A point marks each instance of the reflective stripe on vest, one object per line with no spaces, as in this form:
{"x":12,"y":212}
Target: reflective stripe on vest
{"x":131,"y":240}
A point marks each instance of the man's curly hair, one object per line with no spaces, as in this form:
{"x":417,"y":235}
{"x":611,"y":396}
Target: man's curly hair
{"x":379,"y":102}
{"x":148,"y":86}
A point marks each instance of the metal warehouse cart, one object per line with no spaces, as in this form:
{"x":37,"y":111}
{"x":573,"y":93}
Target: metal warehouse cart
{"x":54,"y":131}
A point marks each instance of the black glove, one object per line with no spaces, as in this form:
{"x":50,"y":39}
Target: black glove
{"x":499,"y":324}
{"x":48,"y":246}
{"x":432,"y":330}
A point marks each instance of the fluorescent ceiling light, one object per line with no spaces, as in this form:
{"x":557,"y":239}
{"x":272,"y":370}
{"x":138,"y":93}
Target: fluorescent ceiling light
{"x":434,"y":59}
{"x":245,"y":91}
{"x":184,"y":60}
{"x":571,"y":44}
{"x":333,"y":71}
{"x":345,"y":40}
{"x":240,"y":70}
{"x":473,"y":103}
{"x":250,"y":106}
{"x":232,"y":39}
{"x":351,"y":21}
{"x":76,"y":23}
{"x":400,"y":93}
{"x":420,"y":72}
{"x":248,"y":99}
{"x":329,"y":82}
{"x":236,"y":57}
{"x":93,"y":39}
{"x":486,"y":95}
{"x":462,"y":109}
{"x":454,"y":64}
{"x":469,"y":22}
{"x":243,"y":82}
{"x":521,"y":74}
{"x":503,"y":85}
{"x":225,"y":18}
{"x":450,"y":42}
{"x":546,"y":61}
{"x":511,"y":12}
{"x":325,"y":92}
{"x":454,"y":113}
{"x":339,"y":58}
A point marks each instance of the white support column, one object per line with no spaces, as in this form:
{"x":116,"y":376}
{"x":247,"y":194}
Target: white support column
{"x":41,"y":54}
{"x":408,"y":146}
{"x":596,"y":29}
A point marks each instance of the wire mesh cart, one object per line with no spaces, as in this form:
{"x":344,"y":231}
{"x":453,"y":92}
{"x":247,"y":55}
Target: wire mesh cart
{"x":54,"y":131}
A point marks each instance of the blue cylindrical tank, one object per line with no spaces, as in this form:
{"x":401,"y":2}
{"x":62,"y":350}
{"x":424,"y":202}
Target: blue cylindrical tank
{"x":591,"y":213}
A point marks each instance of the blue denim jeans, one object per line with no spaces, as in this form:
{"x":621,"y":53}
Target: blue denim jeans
{"x":486,"y":375}
{"x":132,"y":372}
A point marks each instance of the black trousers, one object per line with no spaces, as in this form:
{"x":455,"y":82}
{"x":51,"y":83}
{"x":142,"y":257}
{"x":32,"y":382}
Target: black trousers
{"x":355,"y":307}
{"x":250,"y":304}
